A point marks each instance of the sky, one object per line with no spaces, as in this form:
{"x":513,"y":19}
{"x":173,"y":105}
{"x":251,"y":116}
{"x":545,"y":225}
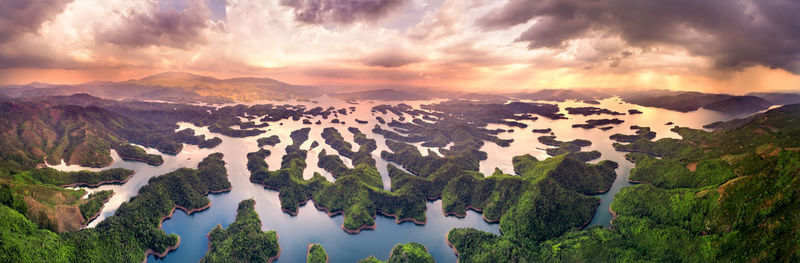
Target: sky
{"x":725,"y":46}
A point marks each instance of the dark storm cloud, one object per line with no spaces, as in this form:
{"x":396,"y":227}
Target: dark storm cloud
{"x":21,"y":16}
{"x":340,"y":11}
{"x":733,"y":33}
{"x":160,"y":27}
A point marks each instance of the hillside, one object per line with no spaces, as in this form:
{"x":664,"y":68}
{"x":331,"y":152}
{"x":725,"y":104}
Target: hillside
{"x":778,"y":98}
{"x":690,"y":101}
{"x":725,"y":196}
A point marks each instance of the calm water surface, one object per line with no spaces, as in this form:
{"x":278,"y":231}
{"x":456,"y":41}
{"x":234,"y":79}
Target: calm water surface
{"x":314,"y":226}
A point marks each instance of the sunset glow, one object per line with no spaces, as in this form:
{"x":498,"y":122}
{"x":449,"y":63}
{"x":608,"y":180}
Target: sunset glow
{"x":726,"y":46}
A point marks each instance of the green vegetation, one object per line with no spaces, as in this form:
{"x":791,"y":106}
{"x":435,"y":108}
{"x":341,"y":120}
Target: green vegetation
{"x":95,"y":203}
{"x":188,"y":136}
{"x":641,"y":133}
{"x":357,"y":192}
{"x":271,"y":141}
{"x":316,"y":254}
{"x":563,"y":147}
{"x":723,"y":196}
{"x":243,"y":241}
{"x":597,"y":122}
{"x":34,"y":194}
{"x":410,"y":252}
{"x":84,"y":177}
{"x":586,"y":111}
{"x":124,"y":237}
{"x":130,"y":152}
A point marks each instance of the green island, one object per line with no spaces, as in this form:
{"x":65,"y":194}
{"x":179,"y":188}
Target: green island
{"x":641,"y":133}
{"x":271,"y":141}
{"x":243,"y":241}
{"x":316,"y":254}
{"x":131,"y":152}
{"x":728,"y":195}
{"x":128,"y":236}
{"x":357,"y":192}
{"x":410,"y":252}
{"x":562,"y":147}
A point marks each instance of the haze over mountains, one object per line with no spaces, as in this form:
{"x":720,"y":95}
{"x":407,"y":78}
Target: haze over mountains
{"x":184,"y":87}
{"x":173,"y":87}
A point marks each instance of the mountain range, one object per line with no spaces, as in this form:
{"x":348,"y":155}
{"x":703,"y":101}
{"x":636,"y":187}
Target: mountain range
{"x":173,"y":87}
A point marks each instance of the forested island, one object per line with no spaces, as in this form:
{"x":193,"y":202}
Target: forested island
{"x":243,"y":240}
{"x":724,"y":195}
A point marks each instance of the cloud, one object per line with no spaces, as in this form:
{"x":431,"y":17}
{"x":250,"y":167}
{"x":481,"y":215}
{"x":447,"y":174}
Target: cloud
{"x":340,"y":11}
{"x":25,"y":16}
{"x":160,"y":26}
{"x":733,"y":33}
{"x":391,"y":59}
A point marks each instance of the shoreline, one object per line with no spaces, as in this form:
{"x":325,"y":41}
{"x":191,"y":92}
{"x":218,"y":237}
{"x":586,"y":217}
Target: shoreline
{"x":92,"y":218}
{"x":188,"y":212}
{"x":452,"y":247}
{"x":133,"y":159}
{"x":613,"y":215}
{"x":591,"y":218}
{"x":470,"y":207}
{"x":98,"y":184}
{"x":270,"y":259}
{"x":308,"y":252}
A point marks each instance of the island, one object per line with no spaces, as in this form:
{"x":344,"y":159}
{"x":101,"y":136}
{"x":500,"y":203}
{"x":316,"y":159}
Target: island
{"x":271,"y":141}
{"x":243,"y":241}
{"x":586,"y":111}
{"x":408,"y":252}
{"x":641,"y":133}
{"x":597,"y":122}
{"x":316,"y":254}
{"x":130,"y":152}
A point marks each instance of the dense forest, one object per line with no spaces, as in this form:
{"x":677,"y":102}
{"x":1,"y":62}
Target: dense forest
{"x":243,"y":240}
{"x":410,"y":252}
{"x":127,"y":236}
{"x":728,"y":195}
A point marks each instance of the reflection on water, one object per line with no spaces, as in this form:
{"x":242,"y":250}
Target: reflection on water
{"x":314,"y":226}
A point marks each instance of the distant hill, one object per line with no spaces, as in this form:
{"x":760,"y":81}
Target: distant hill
{"x":560,"y":95}
{"x":483,"y":97}
{"x":778,"y":98}
{"x":173,"y":87}
{"x":380,"y":94}
{"x":690,"y":101}
{"x":739,"y":104}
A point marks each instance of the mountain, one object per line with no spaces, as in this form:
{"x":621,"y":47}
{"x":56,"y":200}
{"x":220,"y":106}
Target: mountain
{"x":173,"y":87}
{"x":381,"y":94}
{"x":739,"y":104}
{"x":777,"y":98}
{"x":686,"y":101}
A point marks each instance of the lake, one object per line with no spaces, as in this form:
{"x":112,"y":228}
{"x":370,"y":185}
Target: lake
{"x":313,"y":226}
